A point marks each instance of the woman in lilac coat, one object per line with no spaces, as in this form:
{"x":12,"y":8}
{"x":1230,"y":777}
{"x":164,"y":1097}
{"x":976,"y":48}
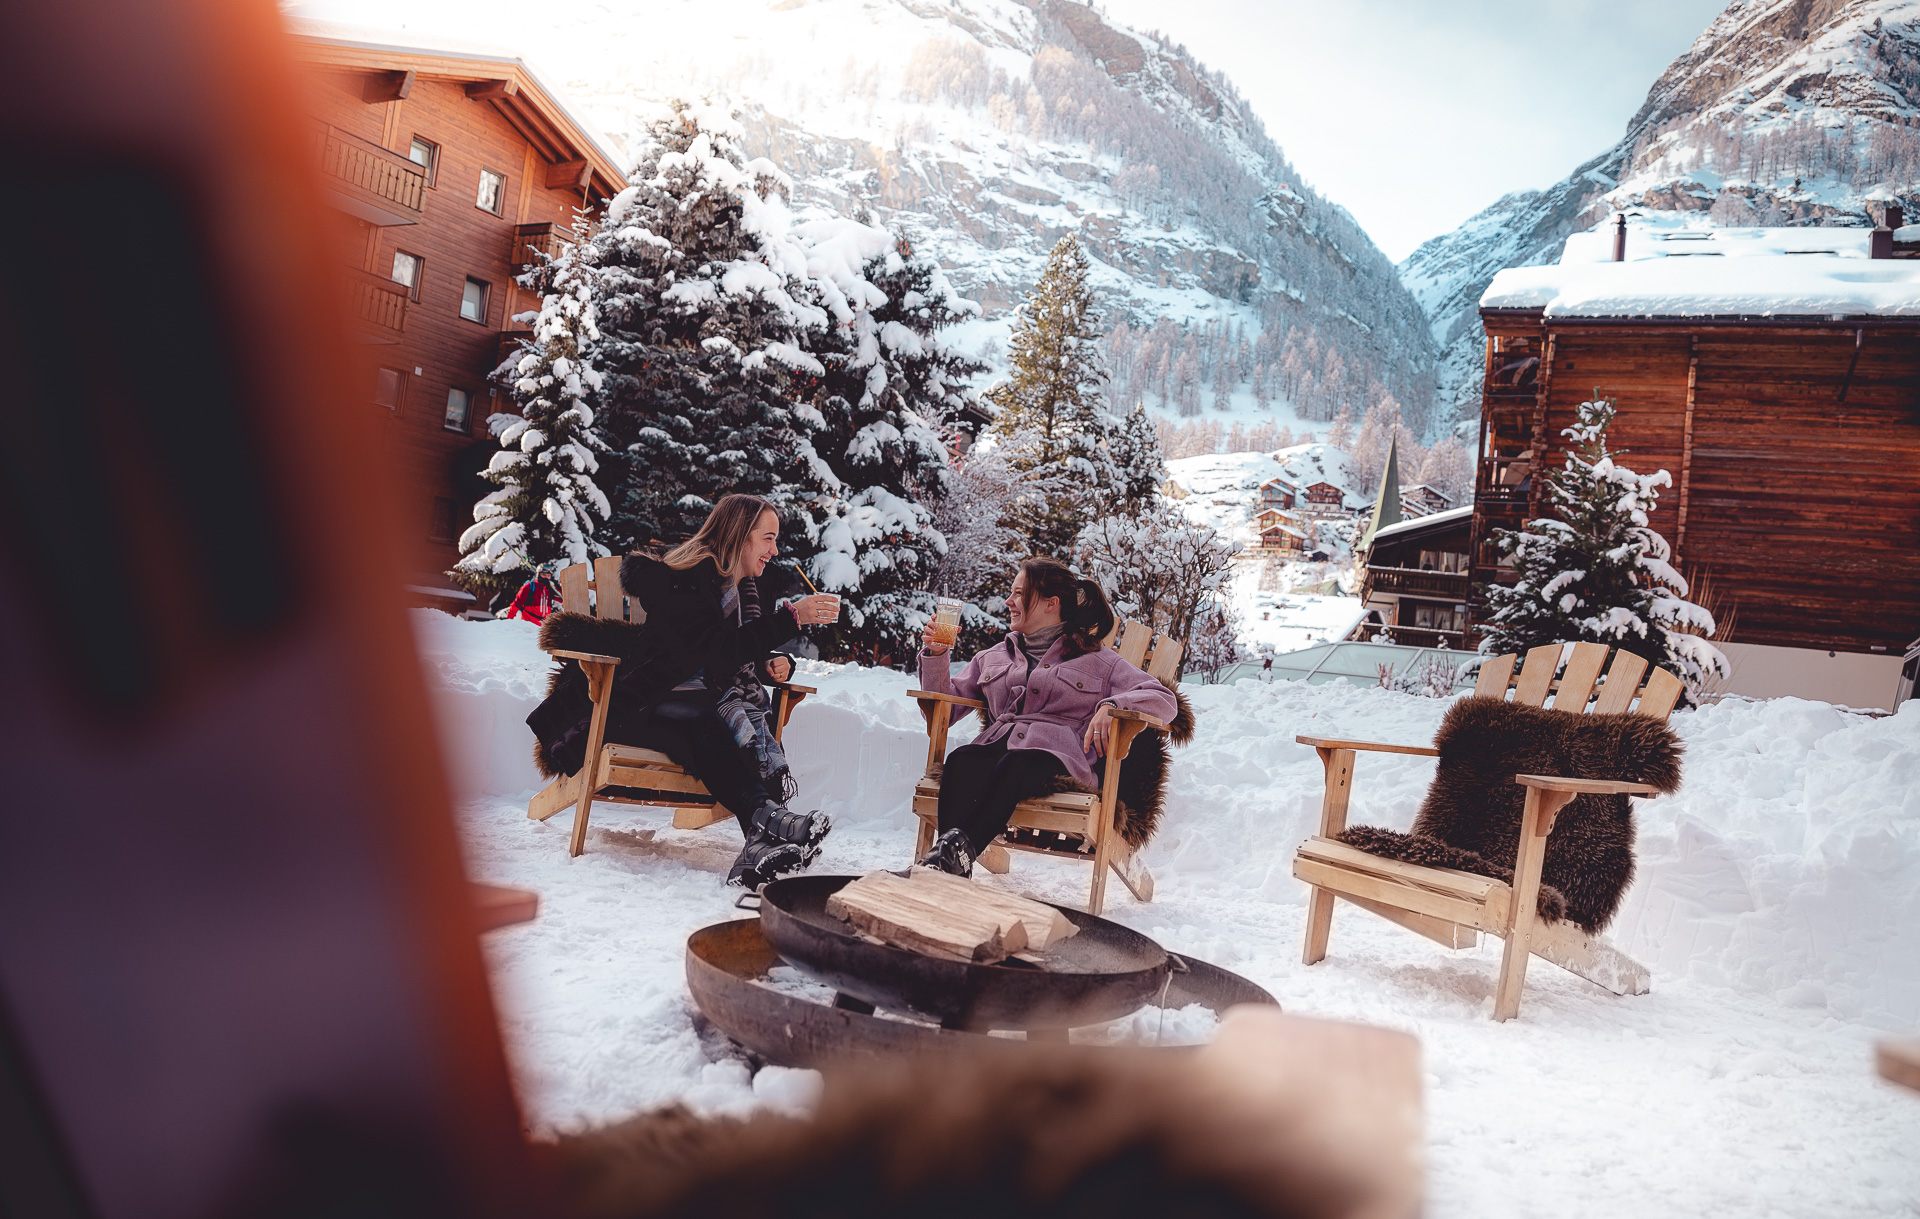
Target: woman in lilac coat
{"x":1048,"y":686}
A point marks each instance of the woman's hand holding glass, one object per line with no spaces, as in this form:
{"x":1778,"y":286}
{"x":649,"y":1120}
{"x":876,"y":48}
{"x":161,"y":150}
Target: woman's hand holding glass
{"x":817,"y":610}
{"x":932,"y":639}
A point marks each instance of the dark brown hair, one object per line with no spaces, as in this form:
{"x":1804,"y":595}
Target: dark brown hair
{"x":1083,"y":603}
{"x":723,"y":535}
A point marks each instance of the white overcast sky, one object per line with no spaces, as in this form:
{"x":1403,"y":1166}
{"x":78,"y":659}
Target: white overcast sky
{"x":1415,"y":114}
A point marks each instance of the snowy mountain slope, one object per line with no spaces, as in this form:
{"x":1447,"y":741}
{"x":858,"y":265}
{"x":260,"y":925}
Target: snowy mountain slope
{"x":987,"y":129}
{"x":1783,"y":112}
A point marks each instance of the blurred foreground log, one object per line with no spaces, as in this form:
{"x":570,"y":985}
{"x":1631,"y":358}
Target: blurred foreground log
{"x":1279,"y":1116}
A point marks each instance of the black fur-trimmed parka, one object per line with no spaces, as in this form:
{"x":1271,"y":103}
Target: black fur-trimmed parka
{"x":684,"y":632}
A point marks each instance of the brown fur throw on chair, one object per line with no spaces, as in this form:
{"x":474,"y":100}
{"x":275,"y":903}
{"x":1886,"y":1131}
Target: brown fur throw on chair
{"x":1143,"y":776}
{"x":1471,"y":817}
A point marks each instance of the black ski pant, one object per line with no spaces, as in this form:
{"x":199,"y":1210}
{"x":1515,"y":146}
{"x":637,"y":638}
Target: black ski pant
{"x":688,"y":729}
{"x":980,"y":784}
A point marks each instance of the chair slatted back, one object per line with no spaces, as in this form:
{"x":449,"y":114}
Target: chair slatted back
{"x":594,"y":588}
{"x":1159,"y":655}
{"x":1619,"y":686}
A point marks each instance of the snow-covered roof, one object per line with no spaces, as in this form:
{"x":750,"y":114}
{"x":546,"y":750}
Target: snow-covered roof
{"x":1434,"y":520}
{"x":446,"y":46}
{"x":1679,"y":267}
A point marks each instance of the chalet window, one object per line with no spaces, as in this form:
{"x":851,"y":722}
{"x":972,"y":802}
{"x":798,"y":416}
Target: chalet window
{"x":408,"y":269}
{"x":493,"y":192}
{"x":426,"y":154}
{"x":389,"y":387}
{"x":440,"y":525}
{"x":1437,"y":617}
{"x":459,"y":402}
{"x":473,"y":300}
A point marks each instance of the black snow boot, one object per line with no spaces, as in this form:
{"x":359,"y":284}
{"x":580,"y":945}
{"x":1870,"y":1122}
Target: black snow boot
{"x":764,"y":859}
{"x":782,"y":824}
{"x":951,"y":852}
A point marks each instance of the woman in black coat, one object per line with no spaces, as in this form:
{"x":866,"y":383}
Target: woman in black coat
{"x":691,"y":684}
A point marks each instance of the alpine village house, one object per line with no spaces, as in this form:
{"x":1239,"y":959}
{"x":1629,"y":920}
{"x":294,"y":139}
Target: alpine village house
{"x":1775,"y":374}
{"x":445,"y":171}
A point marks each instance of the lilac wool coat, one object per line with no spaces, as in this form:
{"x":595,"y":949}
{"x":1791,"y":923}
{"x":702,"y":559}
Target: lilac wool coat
{"x":1062,"y":696}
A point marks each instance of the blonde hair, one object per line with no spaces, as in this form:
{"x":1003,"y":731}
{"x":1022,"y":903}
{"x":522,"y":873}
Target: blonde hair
{"x":722,"y":536}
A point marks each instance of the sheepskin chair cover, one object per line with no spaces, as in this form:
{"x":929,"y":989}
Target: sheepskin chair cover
{"x":1470,"y":819}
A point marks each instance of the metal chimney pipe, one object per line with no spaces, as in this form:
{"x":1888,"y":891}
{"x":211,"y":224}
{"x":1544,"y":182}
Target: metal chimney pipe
{"x":1620,"y":237}
{"x":1896,"y":216}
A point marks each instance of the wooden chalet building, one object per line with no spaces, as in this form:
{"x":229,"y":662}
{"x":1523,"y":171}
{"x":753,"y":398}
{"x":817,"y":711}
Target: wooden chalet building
{"x":1415,"y":584}
{"x":1775,"y":373}
{"x":1280,"y":534}
{"x":444,"y":170}
{"x":1278,"y":494}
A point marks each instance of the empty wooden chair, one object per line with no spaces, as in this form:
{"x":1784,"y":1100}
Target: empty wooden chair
{"x":1069,"y":825}
{"x":627,"y":774}
{"x":1452,"y":907}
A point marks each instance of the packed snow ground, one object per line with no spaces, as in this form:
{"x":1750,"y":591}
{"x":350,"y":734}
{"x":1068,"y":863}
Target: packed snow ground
{"x":1777,"y":903}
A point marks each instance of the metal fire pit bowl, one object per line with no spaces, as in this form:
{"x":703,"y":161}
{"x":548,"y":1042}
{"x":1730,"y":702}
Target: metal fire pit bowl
{"x":1100,"y":974}
{"x":727,"y":964}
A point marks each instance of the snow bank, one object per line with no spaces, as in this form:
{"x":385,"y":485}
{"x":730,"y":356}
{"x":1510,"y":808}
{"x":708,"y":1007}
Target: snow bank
{"x":1777,"y":903}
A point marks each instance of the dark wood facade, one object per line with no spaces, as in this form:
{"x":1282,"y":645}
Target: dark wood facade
{"x":1415,"y":582}
{"x":1794,"y":447}
{"x":448,"y":167}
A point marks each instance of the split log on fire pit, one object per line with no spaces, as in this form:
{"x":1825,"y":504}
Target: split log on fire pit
{"x":1045,"y":924}
{"x":959,"y":922}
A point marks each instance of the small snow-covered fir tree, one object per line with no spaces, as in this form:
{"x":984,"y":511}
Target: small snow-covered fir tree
{"x":1139,"y":470}
{"x":702,"y":311}
{"x":876,"y":416}
{"x":547,"y":505}
{"x":1595,"y":570}
{"x":1054,"y":396}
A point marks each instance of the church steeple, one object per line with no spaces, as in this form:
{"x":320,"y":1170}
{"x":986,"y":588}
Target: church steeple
{"x":1386,"y":506}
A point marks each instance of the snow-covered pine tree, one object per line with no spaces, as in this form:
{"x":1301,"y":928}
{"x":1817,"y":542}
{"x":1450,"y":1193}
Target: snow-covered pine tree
{"x":1595,"y":571}
{"x":878,"y":414}
{"x":702,"y":313}
{"x":1054,"y":397}
{"x":1139,"y":470}
{"x":547,"y":505}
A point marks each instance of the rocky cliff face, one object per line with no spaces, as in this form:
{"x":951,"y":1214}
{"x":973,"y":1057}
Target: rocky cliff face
{"x":1783,"y":112}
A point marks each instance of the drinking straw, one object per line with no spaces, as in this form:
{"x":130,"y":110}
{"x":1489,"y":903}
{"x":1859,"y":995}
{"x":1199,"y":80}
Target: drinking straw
{"x":802,"y":573}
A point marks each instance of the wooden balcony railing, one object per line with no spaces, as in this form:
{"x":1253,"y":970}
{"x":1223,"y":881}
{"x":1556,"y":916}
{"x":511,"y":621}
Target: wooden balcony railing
{"x":532,"y":239}
{"x":384,"y":178}
{"x":1409,"y":580}
{"x":1426,"y":637}
{"x":380,"y":303}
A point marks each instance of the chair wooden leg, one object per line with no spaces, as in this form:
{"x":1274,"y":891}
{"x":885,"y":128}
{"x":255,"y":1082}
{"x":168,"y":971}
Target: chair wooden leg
{"x":700,"y":816}
{"x":552,"y":798}
{"x":1338,"y":764}
{"x":1132,"y":873}
{"x":923,"y":840}
{"x":1536,"y":822}
{"x":1106,"y":816}
{"x":600,"y":690}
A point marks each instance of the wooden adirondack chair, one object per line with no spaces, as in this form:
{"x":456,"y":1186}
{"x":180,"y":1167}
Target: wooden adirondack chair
{"x":627,"y":774}
{"x":1070,"y":825}
{"x":1452,"y":907}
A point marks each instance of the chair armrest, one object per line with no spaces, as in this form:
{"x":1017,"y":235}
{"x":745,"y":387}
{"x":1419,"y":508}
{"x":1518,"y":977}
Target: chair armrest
{"x":1151,"y":721}
{"x":584,"y":657}
{"x":1604,"y":787}
{"x":1327,"y":742}
{"x":790,"y":688}
{"x":955,"y":699}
